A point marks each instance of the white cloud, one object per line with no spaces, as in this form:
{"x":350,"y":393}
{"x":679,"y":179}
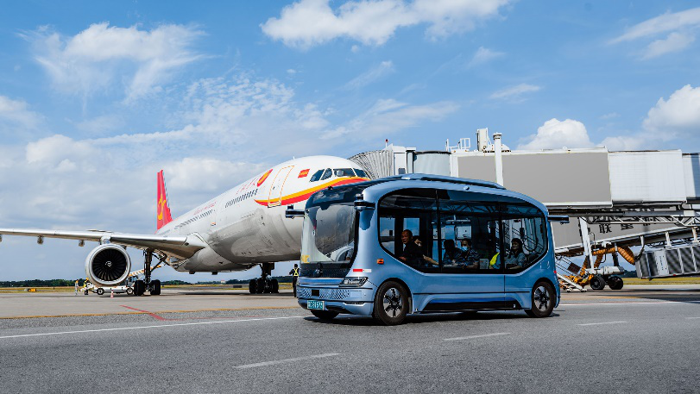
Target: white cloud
{"x":484,"y":55}
{"x":661,"y":24}
{"x":313,"y":22}
{"x":675,"y":42}
{"x":382,"y":70}
{"x":101,"y":56}
{"x":514,"y":93}
{"x":555,"y":134}
{"x":388,"y":117}
{"x":16,"y":116}
{"x":625,"y":143}
{"x":678,"y":25}
{"x":679,"y":114}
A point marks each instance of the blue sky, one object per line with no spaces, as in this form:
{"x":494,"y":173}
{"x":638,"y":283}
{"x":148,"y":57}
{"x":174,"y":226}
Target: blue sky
{"x":96,"y":97}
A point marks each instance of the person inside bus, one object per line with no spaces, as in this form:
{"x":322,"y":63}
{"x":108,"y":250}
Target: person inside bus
{"x":516,"y":257}
{"x":410,"y":252}
{"x":470,"y":256}
{"x":452,"y":256}
{"x":427,"y":259}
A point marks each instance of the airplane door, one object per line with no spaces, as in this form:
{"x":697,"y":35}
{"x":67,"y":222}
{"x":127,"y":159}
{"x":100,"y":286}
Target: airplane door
{"x":275,"y":197}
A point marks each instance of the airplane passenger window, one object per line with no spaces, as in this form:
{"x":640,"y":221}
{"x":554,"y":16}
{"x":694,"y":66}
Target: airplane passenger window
{"x":341,"y":172}
{"x":327,"y":174}
{"x":316,"y":176}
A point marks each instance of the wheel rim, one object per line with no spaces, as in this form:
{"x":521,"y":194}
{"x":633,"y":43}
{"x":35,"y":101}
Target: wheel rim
{"x":392,"y":302}
{"x":541,"y":298}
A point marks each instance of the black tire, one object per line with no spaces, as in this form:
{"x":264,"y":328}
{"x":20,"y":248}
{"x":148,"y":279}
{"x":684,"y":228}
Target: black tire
{"x":615,"y":283}
{"x":139,"y":287}
{"x":275,"y":286}
{"x":543,"y":299}
{"x":325,"y":315}
{"x":100,"y":291}
{"x":155,"y":287}
{"x":261,"y":287}
{"x":390,"y":303}
{"x":252,"y":286}
{"x":598,"y":283}
{"x":86,"y":292}
{"x":129,"y":291}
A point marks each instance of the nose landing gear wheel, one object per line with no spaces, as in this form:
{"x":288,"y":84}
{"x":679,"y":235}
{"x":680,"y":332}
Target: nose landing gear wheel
{"x":390,"y":304}
{"x":542,"y":300}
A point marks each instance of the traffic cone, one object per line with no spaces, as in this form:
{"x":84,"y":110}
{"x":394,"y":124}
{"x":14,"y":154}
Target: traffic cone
{"x":111,"y":293}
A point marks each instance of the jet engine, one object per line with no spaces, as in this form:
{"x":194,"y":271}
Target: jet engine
{"x":107,"y":265}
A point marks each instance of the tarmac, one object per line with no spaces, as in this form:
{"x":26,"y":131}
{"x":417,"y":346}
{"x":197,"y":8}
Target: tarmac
{"x":642,"y":339}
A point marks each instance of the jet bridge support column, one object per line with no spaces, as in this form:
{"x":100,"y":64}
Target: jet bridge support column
{"x":586,"y":238}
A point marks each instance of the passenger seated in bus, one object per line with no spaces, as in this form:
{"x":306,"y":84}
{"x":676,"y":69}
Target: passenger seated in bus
{"x":410,"y":253}
{"x":516,"y":257}
{"x":452,"y":256}
{"x":469,"y":255}
{"x":427,"y":259}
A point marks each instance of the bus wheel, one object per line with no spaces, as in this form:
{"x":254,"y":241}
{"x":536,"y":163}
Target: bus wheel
{"x":542,"y":300}
{"x":390,"y":304}
{"x":325,"y":315}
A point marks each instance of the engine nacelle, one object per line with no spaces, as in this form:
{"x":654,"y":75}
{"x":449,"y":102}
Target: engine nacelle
{"x":108,"y":265}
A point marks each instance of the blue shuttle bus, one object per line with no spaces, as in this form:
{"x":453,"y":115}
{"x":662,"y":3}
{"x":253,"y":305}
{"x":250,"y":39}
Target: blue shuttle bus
{"x":418,"y":243}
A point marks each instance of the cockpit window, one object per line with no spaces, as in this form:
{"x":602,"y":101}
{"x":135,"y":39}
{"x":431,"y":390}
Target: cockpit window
{"x":361,"y":173}
{"x":342,"y":172}
{"x":327,"y":174}
{"x":316,"y":176}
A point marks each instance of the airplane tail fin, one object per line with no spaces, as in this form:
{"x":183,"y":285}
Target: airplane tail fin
{"x":163,"y":208}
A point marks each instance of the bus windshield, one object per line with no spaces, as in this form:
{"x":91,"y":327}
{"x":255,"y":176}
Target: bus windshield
{"x":330,"y":236}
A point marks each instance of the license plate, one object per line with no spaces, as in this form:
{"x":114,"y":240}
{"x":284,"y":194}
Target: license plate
{"x":316,"y":305}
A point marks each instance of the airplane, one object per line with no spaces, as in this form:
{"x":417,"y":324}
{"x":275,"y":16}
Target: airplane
{"x":237,"y":230}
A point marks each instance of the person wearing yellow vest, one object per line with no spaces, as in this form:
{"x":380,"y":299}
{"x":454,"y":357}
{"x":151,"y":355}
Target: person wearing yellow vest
{"x":295,"y":272}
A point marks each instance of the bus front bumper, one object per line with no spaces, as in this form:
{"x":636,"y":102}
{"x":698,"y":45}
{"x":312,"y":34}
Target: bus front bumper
{"x":356,"y":301}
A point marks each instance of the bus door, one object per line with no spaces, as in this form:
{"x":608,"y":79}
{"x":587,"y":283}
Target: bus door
{"x":470,"y":252}
{"x":525,"y":242}
{"x":275,"y":197}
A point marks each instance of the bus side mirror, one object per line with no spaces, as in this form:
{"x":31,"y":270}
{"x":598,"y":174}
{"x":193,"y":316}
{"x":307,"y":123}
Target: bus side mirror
{"x":559,"y":218}
{"x":292,"y":213}
{"x":361,"y":205}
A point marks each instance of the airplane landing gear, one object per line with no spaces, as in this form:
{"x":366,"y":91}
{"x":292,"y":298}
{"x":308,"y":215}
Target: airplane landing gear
{"x":153,"y":286}
{"x":264,"y":284}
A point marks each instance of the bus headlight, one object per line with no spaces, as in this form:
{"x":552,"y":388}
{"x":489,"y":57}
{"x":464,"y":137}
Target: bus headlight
{"x":354,"y":281}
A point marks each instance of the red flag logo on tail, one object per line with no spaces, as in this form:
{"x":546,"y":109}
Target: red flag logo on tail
{"x":162,"y":209}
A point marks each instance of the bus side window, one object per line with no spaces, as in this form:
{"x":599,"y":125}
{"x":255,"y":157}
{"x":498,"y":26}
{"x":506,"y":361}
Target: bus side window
{"x":524,"y":236}
{"x":414,"y":210}
{"x":470,"y":234}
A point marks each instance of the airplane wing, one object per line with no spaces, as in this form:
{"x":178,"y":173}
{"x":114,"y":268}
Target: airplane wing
{"x":181,"y":247}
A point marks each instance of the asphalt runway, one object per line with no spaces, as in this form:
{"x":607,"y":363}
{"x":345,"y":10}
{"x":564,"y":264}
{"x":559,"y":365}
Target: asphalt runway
{"x":637,"y":340}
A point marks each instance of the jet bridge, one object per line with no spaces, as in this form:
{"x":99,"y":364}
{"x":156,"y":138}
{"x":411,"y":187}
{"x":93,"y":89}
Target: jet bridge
{"x":619,"y":199}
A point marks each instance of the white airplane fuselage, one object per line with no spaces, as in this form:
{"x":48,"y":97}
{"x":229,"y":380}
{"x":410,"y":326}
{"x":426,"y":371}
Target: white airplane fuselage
{"x":246,"y":225}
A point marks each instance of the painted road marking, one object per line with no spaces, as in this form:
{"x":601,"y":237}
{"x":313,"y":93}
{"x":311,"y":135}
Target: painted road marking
{"x":288,"y":360}
{"x":147,"y":327}
{"x":628,"y":303}
{"x":603,"y":323}
{"x":495,"y":334}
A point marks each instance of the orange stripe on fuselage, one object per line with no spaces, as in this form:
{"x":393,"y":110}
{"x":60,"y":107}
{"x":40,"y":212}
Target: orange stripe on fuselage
{"x":305,"y":194}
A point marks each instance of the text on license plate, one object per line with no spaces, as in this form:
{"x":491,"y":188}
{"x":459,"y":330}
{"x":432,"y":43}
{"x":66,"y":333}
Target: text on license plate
{"x":316,"y":305}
